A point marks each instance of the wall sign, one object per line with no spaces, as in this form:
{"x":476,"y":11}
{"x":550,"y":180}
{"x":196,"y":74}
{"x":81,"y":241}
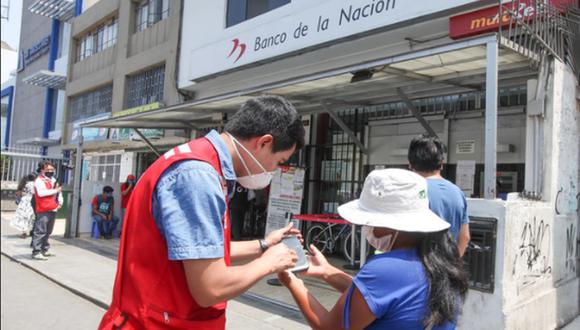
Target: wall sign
{"x":322,"y":22}
{"x":465,"y":147}
{"x":488,"y":19}
{"x":285,"y":196}
{"x":33,"y":53}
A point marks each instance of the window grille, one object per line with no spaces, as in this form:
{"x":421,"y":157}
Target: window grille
{"x":91,"y":103}
{"x":480,"y":254}
{"x":146,"y":87}
{"x":149,"y":12}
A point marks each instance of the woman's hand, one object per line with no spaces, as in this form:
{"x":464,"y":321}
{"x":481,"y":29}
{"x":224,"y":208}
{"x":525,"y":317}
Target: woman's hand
{"x":319,"y":266}
{"x":276,"y":236}
{"x":287,"y":278}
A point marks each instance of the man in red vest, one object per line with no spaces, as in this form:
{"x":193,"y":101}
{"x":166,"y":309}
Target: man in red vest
{"x":48,"y":200}
{"x":174,"y":260}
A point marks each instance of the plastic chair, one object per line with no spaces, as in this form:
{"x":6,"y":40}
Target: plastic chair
{"x":96,"y":233}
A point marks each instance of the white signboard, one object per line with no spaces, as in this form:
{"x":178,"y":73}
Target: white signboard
{"x":321,"y":22}
{"x":465,"y":147}
{"x":465,"y":175}
{"x":285,"y":196}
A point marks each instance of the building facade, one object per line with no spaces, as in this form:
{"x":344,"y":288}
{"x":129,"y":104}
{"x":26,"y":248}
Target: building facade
{"x":123,"y":60}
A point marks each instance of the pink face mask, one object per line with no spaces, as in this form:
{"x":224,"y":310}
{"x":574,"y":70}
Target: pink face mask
{"x":383,"y":244}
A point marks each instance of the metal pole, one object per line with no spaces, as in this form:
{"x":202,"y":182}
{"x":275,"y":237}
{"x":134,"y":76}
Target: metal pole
{"x":491,"y":96}
{"x":73,"y":228}
{"x":149,"y":144}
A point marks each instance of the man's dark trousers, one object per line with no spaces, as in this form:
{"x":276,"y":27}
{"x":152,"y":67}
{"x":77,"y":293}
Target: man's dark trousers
{"x":43,"y":227}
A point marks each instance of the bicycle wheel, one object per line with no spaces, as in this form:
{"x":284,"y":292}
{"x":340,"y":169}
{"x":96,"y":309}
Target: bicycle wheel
{"x":346,"y":247}
{"x":319,"y":237}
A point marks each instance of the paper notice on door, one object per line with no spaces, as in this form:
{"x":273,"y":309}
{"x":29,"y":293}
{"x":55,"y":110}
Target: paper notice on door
{"x":465,"y":175}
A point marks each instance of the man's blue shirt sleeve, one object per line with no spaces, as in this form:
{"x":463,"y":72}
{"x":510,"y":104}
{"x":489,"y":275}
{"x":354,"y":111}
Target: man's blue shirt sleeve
{"x":188,"y":206}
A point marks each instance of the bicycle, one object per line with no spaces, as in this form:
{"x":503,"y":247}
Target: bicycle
{"x":326,"y":238}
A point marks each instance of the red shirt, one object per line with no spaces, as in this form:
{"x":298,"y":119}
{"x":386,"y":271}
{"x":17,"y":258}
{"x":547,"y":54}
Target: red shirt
{"x":125,"y":198}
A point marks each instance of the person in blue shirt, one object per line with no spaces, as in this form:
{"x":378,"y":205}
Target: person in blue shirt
{"x":417,"y":283}
{"x":426,"y":155}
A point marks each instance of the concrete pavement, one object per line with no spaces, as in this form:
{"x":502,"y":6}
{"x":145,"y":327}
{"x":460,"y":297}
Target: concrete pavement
{"x":30,"y":301}
{"x":87,"y":268}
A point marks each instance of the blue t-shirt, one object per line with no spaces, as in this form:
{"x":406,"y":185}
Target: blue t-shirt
{"x":448,"y":202}
{"x":395,"y":288}
{"x":189,"y":204}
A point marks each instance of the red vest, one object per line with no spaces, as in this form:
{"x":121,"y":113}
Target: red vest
{"x":46,"y":203}
{"x":150,"y":290}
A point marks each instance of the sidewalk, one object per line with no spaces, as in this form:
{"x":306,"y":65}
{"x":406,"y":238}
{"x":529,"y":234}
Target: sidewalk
{"x":87,"y":267}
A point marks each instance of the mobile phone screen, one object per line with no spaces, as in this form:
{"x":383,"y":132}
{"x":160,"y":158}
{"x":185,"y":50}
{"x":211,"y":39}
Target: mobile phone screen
{"x":292,"y":242}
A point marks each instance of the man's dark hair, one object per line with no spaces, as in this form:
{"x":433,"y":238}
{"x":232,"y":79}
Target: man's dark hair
{"x":272,"y":115}
{"x":426,"y":153}
{"x":43,"y":164}
{"x":108,"y":189}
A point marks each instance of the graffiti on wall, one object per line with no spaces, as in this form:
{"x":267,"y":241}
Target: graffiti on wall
{"x":571,"y":248}
{"x":567,"y":199}
{"x":532,"y":260}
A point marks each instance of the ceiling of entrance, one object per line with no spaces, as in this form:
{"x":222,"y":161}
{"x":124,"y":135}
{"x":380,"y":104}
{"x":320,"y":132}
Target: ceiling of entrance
{"x":450,"y":70}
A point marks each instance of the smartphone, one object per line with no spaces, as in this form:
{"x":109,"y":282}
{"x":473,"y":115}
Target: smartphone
{"x":292,"y":242}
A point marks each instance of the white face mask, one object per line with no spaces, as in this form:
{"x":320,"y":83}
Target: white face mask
{"x":251,"y":181}
{"x":383,"y":244}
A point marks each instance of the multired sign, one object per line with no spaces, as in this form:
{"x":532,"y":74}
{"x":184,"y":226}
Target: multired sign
{"x":489,"y":19}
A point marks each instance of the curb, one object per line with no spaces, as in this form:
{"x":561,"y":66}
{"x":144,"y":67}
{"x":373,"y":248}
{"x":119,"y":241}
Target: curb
{"x":81,"y":294}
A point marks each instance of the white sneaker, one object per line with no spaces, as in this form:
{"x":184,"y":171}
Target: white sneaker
{"x":48,"y":254}
{"x":39,"y":256}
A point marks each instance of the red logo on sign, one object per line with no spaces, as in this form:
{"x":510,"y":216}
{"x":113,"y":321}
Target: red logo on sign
{"x":237,"y":45}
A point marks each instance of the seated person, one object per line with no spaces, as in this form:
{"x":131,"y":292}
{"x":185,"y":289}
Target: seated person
{"x":103,"y":206}
{"x":418,"y":283}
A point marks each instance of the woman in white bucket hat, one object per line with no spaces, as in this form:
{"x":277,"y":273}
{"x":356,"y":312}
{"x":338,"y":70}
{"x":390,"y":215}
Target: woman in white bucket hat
{"x":419,"y":283}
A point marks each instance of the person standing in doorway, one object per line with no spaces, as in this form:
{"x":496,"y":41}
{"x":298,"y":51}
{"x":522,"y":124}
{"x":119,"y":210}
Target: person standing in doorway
{"x":174,"y":267}
{"x":426,"y":155}
{"x":126,"y":191}
{"x":48,"y":200}
{"x":103,"y":212}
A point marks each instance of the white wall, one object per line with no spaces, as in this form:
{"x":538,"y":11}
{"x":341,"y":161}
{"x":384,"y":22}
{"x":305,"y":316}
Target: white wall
{"x":389,"y":140}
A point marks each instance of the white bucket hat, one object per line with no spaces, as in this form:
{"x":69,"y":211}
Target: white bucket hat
{"x":396,"y":199}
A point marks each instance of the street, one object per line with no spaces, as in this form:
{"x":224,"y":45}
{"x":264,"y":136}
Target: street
{"x":30,"y":301}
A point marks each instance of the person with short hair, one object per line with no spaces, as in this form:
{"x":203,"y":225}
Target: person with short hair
{"x":426,"y":155}
{"x":417,"y":283}
{"x":103,"y":212}
{"x":48,"y":200}
{"x":174,"y":268}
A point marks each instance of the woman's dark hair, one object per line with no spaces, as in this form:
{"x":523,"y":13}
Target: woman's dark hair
{"x":43,"y":164}
{"x":25,"y":179}
{"x":426,"y":154}
{"x":272,"y":115}
{"x":446,"y":275}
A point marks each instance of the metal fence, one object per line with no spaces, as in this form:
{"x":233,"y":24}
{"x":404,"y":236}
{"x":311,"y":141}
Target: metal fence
{"x":536,"y":28}
{"x":15,"y":162}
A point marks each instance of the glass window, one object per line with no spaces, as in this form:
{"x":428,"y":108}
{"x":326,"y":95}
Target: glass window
{"x":149,"y":12}
{"x":98,"y":39}
{"x":242,"y":10}
{"x":145,"y":87}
